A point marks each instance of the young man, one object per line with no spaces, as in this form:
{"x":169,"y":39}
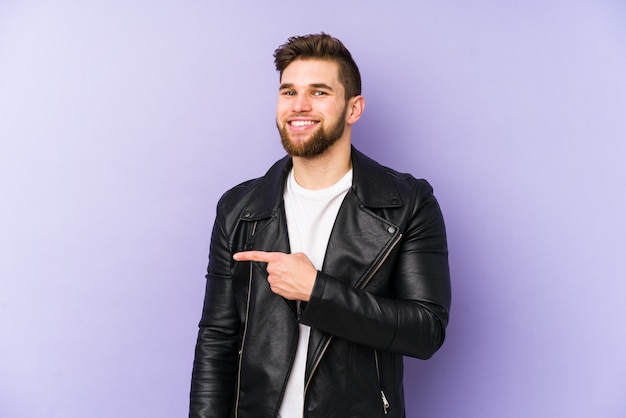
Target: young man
{"x":325,"y":271}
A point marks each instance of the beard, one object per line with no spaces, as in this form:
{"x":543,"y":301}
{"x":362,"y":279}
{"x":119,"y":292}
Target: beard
{"x":317,"y":144}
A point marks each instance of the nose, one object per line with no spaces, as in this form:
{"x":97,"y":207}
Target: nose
{"x":301,"y":103}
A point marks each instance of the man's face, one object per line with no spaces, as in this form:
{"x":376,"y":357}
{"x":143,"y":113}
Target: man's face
{"x":311,"y":109}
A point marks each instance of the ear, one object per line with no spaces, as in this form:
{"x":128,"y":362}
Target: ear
{"x":355,"y":108}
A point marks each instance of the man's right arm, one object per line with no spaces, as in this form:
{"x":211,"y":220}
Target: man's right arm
{"x":216,"y":355}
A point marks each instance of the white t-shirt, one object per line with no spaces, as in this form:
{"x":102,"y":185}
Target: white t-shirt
{"x":311,"y":215}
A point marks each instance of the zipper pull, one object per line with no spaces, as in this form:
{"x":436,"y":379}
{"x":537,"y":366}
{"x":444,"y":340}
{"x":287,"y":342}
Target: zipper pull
{"x":385,"y":402}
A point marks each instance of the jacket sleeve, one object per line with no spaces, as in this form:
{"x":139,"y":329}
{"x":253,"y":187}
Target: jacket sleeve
{"x":216,"y":355}
{"x":411,"y":320}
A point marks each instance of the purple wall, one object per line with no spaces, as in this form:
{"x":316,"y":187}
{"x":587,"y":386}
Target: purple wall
{"x":122,"y":122}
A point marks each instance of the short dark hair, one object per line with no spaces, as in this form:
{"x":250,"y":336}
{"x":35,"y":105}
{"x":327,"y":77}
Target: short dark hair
{"x":325,"y":47}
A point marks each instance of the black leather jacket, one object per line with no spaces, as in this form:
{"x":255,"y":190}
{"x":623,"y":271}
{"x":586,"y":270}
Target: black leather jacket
{"x":384,"y":292}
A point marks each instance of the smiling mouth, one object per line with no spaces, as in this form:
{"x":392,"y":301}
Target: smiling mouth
{"x":302,"y":123}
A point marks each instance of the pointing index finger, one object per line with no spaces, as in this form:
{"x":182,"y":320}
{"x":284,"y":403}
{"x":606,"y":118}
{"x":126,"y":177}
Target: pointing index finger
{"x":262,"y":256}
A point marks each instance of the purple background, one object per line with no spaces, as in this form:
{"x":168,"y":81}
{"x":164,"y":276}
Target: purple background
{"x":122,"y":122}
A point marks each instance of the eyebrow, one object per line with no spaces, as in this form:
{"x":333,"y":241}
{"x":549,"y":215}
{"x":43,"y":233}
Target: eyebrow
{"x":314,"y":85}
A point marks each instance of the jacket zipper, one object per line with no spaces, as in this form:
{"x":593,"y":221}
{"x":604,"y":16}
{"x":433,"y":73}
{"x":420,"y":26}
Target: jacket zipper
{"x":380,"y":383}
{"x":245,"y":330}
{"x":381,"y":262}
{"x":327,"y":343}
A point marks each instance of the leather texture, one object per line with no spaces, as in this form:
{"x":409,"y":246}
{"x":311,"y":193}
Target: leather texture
{"x":383,"y":292}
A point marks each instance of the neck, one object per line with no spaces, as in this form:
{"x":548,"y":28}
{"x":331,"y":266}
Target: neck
{"x":323,"y":170}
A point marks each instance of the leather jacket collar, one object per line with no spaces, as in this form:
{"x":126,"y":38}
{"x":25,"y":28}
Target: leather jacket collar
{"x":370,"y":183}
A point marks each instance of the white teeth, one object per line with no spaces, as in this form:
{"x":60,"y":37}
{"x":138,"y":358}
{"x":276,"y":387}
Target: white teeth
{"x":299,"y":123}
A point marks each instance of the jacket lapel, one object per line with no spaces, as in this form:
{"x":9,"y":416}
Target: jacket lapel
{"x":356,"y":242}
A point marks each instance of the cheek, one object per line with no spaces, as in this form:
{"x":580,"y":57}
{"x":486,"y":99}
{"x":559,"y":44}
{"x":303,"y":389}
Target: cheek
{"x":332,"y":111}
{"x":281,"y":108}
{"x":336,"y":107}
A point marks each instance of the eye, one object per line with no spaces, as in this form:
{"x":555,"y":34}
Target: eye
{"x":288,"y":93}
{"x":319,"y":93}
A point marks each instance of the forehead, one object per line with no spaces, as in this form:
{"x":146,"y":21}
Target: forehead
{"x":311,"y":71}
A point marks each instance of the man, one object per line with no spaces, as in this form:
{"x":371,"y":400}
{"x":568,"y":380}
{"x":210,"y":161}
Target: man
{"x":325,"y":271}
